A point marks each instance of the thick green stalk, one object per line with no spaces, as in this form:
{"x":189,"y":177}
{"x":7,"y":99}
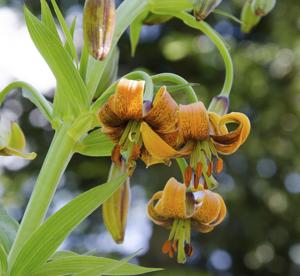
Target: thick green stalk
{"x":57,"y":159}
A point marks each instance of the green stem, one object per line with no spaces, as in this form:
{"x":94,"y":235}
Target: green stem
{"x":175,"y":79}
{"x":217,"y":40}
{"x":32,"y":94}
{"x":182,"y":164}
{"x":57,"y":159}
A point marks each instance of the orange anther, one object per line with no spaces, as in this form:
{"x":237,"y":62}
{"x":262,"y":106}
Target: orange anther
{"x":196,"y":181}
{"x":175,"y":243}
{"x":116,"y":155}
{"x":199,"y":169}
{"x":210,"y":168}
{"x":188,"y":176}
{"x":166,"y":247}
{"x":219,"y":166}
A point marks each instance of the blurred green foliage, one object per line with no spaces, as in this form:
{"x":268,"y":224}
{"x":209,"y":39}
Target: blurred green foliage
{"x":261,"y":183}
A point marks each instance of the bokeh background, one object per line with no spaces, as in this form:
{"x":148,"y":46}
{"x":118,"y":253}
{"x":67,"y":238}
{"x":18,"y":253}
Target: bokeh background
{"x":260,"y":184}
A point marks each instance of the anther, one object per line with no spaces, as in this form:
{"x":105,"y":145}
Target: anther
{"x":219,"y":165}
{"x":174,"y":245}
{"x":166,"y":247}
{"x":188,"y":176}
{"x":196,"y":181}
{"x":116,"y":155}
{"x":210,"y":168}
{"x":188,"y":249}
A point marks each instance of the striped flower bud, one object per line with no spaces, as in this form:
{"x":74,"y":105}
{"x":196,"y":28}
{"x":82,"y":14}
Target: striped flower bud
{"x":98,"y":26}
{"x":202,"y":8}
{"x":115,"y":209}
{"x":262,"y":7}
{"x":248,"y":17}
{"x":219,"y":105}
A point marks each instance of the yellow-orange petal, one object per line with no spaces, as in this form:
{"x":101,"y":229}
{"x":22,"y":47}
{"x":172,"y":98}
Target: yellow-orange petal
{"x":157,"y":148}
{"x":127,"y":102}
{"x":202,"y":228}
{"x":108,"y":118}
{"x":175,"y":202}
{"x":153,"y":215}
{"x":162,"y":117}
{"x":114,"y":133}
{"x":222,"y":213}
{"x":208,"y":209}
{"x":228,"y":142}
{"x":193,"y":122}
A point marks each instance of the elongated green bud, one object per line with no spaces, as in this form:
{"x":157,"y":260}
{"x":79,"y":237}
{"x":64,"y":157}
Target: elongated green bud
{"x":202,"y":8}
{"x":248,"y":17}
{"x":262,"y":7}
{"x":98,"y":26}
{"x":115,"y":209}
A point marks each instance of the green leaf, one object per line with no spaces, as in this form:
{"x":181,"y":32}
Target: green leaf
{"x":84,"y":62}
{"x":95,"y":144}
{"x":72,"y":92}
{"x":65,"y":28}
{"x":3,"y":260}
{"x":8,"y":229}
{"x":48,"y":19}
{"x":74,"y":265}
{"x":47,"y":238}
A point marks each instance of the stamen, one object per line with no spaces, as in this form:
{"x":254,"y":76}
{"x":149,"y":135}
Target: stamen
{"x":175,"y":245}
{"x":219,"y":166}
{"x":196,"y":181}
{"x":210,"y":168}
{"x":171,"y":253}
{"x":188,"y":250}
{"x":116,"y":155}
{"x":188,"y":176}
{"x":199,"y":169}
{"x":135,"y":153}
{"x":166,"y":247}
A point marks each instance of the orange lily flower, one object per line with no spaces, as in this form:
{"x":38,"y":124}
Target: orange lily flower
{"x":177,"y":209}
{"x":124,"y":113}
{"x":203,"y":135}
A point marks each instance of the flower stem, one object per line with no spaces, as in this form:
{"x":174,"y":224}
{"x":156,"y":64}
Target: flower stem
{"x":218,"y":41}
{"x":56,"y":161}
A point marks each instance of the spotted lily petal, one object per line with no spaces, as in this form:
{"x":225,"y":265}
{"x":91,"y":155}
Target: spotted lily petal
{"x":193,"y":122}
{"x":227,"y":142}
{"x":158,"y":149}
{"x":153,"y":215}
{"x":163,"y":118}
{"x":175,"y":202}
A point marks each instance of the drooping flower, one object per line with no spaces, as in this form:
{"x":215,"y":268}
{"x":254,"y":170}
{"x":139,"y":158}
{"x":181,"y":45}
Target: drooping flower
{"x":126,"y":115}
{"x":179,"y":210}
{"x":205,"y":135}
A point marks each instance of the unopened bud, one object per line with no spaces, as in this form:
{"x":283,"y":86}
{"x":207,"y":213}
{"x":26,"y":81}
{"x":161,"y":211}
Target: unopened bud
{"x":98,"y":26}
{"x":248,"y":17}
{"x":219,"y":105}
{"x":262,"y":7}
{"x":115,"y":209}
{"x":202,"y":8}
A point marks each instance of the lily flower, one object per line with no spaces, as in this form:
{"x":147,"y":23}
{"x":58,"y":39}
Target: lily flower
{"x":12,"y":140}
{"x":126,"y":116}
{"x":203,"y":135}
{"x":181,"y":211}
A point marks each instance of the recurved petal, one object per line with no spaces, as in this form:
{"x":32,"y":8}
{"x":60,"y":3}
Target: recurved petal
{"x":227,"y":142}
{"x":162,"y":117}
{"x":127,"y":102}
{"x":208,"y":210}
{"x":222,"y":213}
{"x":108,"y":118}
{"x":114,"y":133}
{"x":175,"y":202}
{"x":193,"y":122}
{"x":202,"y":228}
{"x":153,"y":215}
{"x":157,"y":148}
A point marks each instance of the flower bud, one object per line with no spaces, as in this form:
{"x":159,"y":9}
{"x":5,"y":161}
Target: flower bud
{"x":219,"y":105}
{"x":115,"y":209}
{"x":202,"y":8}
{"x":98,"y":26}
{"x":262,"y":7}
{"x":248,"y":17}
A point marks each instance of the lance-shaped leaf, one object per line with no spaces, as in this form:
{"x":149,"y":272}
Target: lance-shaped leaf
{"x":8,"y":229}
{"x":72,"y":93}
{"x":95,"y":144}
{"x":47,"y":238}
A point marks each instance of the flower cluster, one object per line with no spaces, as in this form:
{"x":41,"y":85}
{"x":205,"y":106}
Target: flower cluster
{"x":160,"y":130}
